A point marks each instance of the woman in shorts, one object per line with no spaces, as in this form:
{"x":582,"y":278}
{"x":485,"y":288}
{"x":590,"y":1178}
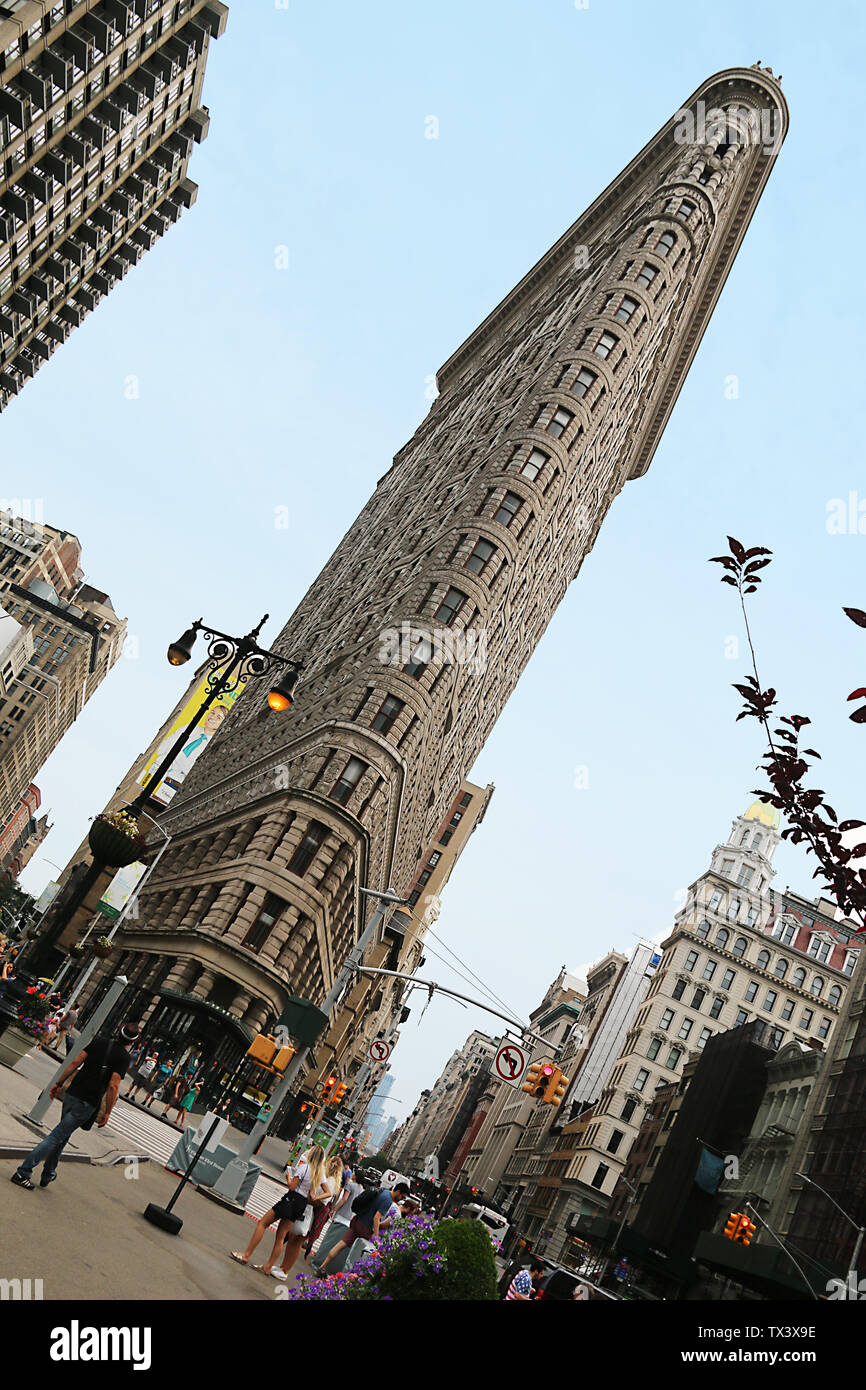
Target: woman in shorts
{"x":144,"y":1075}
{"x":305,"y":1178}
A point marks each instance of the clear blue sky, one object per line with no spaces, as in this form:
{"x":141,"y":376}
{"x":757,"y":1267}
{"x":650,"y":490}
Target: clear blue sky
{"x":262,"y":388}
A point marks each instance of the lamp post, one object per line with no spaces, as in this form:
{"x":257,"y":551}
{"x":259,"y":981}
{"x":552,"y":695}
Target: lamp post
{"x":233,"y":660}
{"x":861,"y":1231}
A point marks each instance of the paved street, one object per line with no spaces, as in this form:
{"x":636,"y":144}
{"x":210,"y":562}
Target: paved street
{"x":85,"y":1236}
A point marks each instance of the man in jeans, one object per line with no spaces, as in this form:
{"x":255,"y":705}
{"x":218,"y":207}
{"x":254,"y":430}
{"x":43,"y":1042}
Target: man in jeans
{"x":96,"y":1073}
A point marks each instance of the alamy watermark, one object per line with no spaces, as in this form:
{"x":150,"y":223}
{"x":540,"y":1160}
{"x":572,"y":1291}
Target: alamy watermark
{"x":437,"y":646}
{"x":731,"y":125}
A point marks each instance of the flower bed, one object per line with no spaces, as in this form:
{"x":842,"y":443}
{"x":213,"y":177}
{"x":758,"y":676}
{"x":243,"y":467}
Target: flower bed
{"x":421,"y":1259}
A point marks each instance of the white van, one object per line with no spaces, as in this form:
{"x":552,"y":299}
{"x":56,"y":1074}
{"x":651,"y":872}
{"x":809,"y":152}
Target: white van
{"x":497,"y":1226}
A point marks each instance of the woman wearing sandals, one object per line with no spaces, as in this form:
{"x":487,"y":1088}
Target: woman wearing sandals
{"x":306,"y":1179}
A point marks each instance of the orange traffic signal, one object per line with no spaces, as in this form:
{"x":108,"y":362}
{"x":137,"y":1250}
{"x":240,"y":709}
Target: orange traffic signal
{"x":339,"y":1093}
{"x":739,"y":1228}
{"x":538,"y":1079}
{"x":556,"y":1088}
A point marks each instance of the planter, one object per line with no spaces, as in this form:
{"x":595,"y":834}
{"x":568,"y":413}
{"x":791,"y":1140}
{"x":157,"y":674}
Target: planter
{"x":102,"y":952}
{"x":77,"y":950}
{"x":15,"y":1044}
{"x":111,"y":846}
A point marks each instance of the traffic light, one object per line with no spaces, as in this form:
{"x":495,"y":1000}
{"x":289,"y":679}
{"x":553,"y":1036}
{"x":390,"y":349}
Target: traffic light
{"x":746,"y":1231}
{"x":739,"y":1228}
{"x":556,"y":1087}
{"x":327,"y":1087}
{"x":537,"y":1078}
{"x":339,"y":1093}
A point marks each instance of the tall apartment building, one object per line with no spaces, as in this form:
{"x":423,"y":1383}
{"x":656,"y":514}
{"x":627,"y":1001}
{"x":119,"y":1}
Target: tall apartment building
{"x":73,"y":635}
{"x":100,"y":105}
{"x":419,"y":626}
{"x":557,"y":1190}
{"x":498,"y":1159}
{"x":436,"y":1110}
{"x":739,"y":952}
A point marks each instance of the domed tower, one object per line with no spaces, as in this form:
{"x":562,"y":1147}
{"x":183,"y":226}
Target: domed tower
{"x":747,"y":856}
{"x":417,"y":629}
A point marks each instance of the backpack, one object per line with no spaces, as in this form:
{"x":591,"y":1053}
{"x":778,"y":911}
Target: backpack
{"x":364,"y":1200}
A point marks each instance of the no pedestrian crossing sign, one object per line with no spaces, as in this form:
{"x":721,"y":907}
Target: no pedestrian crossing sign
{"x":510,"y":1062}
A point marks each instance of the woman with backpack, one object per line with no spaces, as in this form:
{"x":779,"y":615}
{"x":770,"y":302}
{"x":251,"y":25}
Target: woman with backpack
{"x":368,"y":1211}
{"x":340,"y":1220}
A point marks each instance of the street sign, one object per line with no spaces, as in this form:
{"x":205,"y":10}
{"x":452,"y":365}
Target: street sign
{"x":380,"y":1050}
{"x":265,"y":1112}
{"x":510,"y":1062}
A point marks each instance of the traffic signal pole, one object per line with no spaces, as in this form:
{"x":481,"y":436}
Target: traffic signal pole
{"x":231,"y":1179}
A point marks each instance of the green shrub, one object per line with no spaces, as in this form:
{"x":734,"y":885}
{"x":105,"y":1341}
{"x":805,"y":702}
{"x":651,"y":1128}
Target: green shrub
{"x":470,"y":1269}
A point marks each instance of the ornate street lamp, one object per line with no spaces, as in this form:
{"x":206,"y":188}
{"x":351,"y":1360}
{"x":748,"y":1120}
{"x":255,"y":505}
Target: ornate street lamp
{"x":233,"y":661}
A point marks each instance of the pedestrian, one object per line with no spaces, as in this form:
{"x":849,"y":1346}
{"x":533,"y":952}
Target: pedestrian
{"x":191,"y":1089}
{"x":369,"y":1210}
{"x":88,"y":1087}
{"x":66,"y":1025}
{"x":333,"y":1179}
{"x":342,"y":1215}
{"x":525,"y":1283}
{"x":7,"y":973}
{"x":520,"y":1260}
{"x":144,"y":1075}
{"x":177,"y":1093}
{"x":162,"y":1078}
{"x":293,"y":1213}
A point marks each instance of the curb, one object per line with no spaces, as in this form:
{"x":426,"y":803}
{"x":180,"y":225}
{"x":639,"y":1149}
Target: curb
{"x":17,"y":1151}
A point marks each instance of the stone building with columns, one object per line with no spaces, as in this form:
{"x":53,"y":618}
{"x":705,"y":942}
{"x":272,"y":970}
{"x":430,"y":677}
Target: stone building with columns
{"x":417,"y":629}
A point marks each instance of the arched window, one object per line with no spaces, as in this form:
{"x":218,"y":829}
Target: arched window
{"x":817,"y":987}
{"x":722,"y":938}
{"x":739,"y":946}
{"x":703,"y":928}
{"x":756,"y":843}
{"x":835,"y":995}
{"x":799,"y":978}
{"x":781,"y":968}
{"x":763,"y":960}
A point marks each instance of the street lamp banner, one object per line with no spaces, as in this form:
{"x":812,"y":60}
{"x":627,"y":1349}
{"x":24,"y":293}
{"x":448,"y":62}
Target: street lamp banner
{"x":198,"y":740}
{"x":120,"y":890}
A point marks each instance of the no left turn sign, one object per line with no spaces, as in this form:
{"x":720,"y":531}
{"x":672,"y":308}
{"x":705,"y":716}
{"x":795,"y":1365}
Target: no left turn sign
{"x":510,"y":1062}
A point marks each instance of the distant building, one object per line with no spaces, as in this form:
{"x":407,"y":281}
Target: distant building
{"x":72,"y":639}
{"x":100,"y":106}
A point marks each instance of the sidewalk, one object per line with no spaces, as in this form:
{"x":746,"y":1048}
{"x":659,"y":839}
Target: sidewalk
{"x":85,"y":1236}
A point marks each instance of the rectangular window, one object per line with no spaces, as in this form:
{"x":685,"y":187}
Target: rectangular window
{"x":653,"y":1050}
{"x":628,"y":1109}
{"x":716,"y":1007}
{"x":601,"y":1173}
{"x":560,"y":422}
{"x":534,"y":464}
{"x":788,"y":1009}
{"x":751,"y":991}
{"x":646,"y":275}
{"x":605,"y":345}
{"x":641,"y":1079}
{"x":744,"y":877}
{"x":728,"y":979}
{"x":770,"y":1000}
{"x":388,"y":712}
{"x":686,"y":1028}
{"x":348,"y":781}
{"x":806,"y":1019}
{"x":615,"y":1140}
{"x":704,"y":1037}
{"x":583,"y":381}
{"x":264,"y":923}
{"x":449,"y":607}
{"x":674,"y":1058}
{"x":482,"y":553}
{"x":626,"y":309}
{"x":700,"y":996}
{"x":691,"y":960}
{"x":709,"y":969}
{"x":742,"y":1017}
{"x":819,"y":950}
{"x":679,"y":989}
{"x":420,"y":658}
{"x":824,"y":1028}
{"x":306,"y":851}
{"x":508,"y":508}
{"x":715,"y":900}
{"x":666,"y":1019}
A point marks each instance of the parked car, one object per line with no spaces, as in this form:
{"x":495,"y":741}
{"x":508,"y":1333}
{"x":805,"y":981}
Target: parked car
{"x":559,"y":1283}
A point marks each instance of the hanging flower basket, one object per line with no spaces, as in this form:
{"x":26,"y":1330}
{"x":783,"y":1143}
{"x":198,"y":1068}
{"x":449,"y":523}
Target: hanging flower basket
{"x":115,"y":839}
{"x":102,"y":947}
{"x":77,"y":950}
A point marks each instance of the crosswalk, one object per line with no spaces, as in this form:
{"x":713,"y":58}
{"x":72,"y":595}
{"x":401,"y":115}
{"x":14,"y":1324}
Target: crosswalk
{"x":149,"y":1134}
